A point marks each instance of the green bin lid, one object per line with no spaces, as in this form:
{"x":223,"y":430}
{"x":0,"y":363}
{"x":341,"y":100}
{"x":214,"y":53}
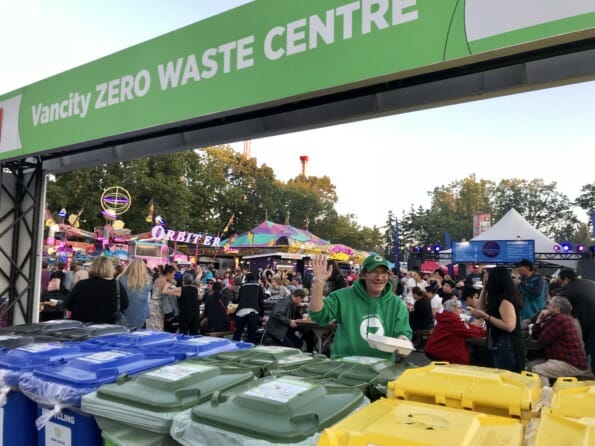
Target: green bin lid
{"x":278,"y":409}
{"x":262,"y":360}
{"x":173,"y":387}
{"x":135,"y":408}
{"x":363,"y":372}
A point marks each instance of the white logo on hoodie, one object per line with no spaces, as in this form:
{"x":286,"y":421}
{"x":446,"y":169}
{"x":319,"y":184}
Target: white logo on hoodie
{"x":371,"y":322}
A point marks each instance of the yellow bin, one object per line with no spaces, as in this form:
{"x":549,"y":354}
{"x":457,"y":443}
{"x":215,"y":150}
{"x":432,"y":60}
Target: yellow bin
{"x":557,"y":430}
{"x":394,"y":422}
{"x":573,"y":398}
{"x":481,"y":389}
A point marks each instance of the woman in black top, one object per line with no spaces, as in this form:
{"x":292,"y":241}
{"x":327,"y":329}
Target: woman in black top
{"x":216,"y":311}
{"x":94,"y":299}
{"x":421,"y":318}
{"x":500,"y":303}
{"x":189,"y":306}
{"x":336,"y":281}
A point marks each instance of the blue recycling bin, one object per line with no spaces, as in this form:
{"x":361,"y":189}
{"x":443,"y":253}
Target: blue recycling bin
{"x":186,"y":347}
{"x":17,"y":420}
{"x":17,"y":412}
{"x":57,"y":389}
{"x":133,"y":341}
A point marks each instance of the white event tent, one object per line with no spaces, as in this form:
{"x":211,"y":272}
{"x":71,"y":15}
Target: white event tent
{"x":512,"y":226}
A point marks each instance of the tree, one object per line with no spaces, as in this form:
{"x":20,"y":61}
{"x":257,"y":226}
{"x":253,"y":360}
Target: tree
{"x":539,"y":203}
{"x":586,"y":201}
{"x":300,"y":202}
{"x":388,"y":236}
{"x":453,"y":207}
{"x":237,"y":186}
{"x":345,"y":230}
{"x":77,"y":190}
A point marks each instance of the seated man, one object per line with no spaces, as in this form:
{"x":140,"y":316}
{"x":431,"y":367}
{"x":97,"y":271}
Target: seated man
{"x":282,"y":326}
{"x":556,"y":330}
{"x":447,"y":341}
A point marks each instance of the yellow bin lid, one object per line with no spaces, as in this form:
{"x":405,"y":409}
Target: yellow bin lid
{"x":393,"y":422}
{"x":573,"y":398}
{"x":482,"y":389}
{"x":556,"y":430}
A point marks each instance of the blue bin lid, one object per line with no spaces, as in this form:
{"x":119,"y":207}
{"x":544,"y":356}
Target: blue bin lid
{"x":102,"y":367}
{"x":201,"y":346}
{"x":133,"y":340}
{"x":33,"y":356}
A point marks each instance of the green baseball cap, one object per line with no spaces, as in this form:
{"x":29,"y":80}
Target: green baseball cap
{"x":374,"y":261}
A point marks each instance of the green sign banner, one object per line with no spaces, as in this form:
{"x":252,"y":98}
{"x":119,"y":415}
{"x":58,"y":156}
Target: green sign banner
{"x":270,"y":51}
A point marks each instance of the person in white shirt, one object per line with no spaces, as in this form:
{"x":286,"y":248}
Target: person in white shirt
{"x":435,"y":302}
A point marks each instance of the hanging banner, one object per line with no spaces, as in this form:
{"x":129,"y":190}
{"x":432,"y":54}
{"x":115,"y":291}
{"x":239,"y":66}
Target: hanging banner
{"x":481,"y":223}
{"x":271,"y":52}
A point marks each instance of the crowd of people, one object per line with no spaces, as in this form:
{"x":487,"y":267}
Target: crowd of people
{"x":492,"y":317}
{"x":493,"y":306}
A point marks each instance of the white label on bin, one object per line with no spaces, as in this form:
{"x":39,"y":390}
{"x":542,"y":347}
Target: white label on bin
{"x":271,"y":349}
{"x":101,"y":357}
{"x":57,"y":435}
{"x":280,"y":390}
{"x":143,"y":333}
{"x":35,"y":348}
{"x":367,"y":360}
{"x":295,"y":358}
{"x":176,"y":372}
{"x":204,"y":340}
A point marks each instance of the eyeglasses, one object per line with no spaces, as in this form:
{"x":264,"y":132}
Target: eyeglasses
{"x":378,"y":273}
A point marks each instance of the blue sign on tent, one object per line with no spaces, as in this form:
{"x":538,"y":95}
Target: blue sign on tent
{"x":493,"y":251}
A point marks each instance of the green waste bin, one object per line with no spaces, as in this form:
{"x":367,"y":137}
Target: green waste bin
{"x":369,"y":374}
{"x":270,"y":410}
{"x":262,"y":360}
{"x":139,"y":411}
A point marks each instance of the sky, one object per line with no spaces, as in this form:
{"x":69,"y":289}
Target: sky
{"x":377,"y":165}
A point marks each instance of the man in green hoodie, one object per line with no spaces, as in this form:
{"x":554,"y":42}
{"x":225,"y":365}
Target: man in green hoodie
{"x":368,"y":306}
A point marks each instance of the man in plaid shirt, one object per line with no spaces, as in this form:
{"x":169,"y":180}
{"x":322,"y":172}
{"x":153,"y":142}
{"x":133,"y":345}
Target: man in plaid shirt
{"x":557,"y":331}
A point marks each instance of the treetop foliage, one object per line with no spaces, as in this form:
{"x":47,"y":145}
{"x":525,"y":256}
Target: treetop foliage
{"x":199,"y":191}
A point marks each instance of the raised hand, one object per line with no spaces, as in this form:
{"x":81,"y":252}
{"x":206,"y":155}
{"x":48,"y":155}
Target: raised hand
{"x":322,"y":271}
